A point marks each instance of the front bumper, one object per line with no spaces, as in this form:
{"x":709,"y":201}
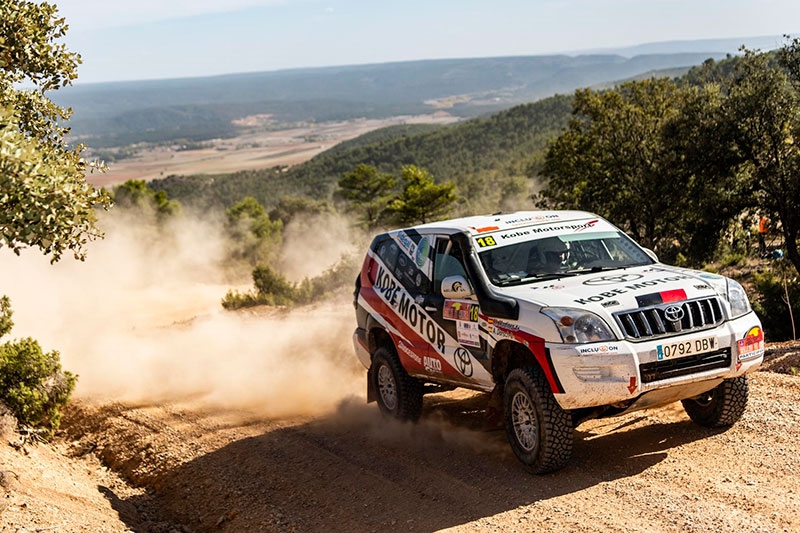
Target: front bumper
{"x":630,"y":374}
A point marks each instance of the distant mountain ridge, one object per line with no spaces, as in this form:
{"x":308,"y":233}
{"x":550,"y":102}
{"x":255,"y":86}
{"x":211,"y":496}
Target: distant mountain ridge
{"x":716,"y":46}
{"x":194,"y":109}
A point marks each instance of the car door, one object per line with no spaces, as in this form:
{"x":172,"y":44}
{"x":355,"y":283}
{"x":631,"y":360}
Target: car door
{"x":465,"y":355}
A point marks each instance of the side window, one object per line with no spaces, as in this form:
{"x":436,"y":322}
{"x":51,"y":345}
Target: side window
{"x":403,"y":267}
{"x":448,"y":262}
{"x":411,"y":276}
{"x":387,"y":251}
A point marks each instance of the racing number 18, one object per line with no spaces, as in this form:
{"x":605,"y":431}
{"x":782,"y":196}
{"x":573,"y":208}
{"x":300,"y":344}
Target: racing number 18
{"x":485,"y":241}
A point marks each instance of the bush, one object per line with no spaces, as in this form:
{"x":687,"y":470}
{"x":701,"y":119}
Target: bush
{"x":339,"y":275}
{"x":238,"y":300}
{"x":272,"y":288}
{"x":32,"y":384}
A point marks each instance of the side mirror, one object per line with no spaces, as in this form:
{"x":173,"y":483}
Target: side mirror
{"x":456,"y":287}
{"x":651,"y":254}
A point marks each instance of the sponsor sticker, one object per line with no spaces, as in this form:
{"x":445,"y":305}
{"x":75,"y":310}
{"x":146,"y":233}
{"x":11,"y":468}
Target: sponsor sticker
{"x":530,"y":219}
{"x":460,"y":310}
{"x":752,"y":345}
{"x":602,"y":349}
{"x":634,"y":286}
{"x":589,"y":224}
{"x":412,"y":313}
{"x":432,"y":365}
{"x":515,"y":233}
{"x":416,"y":251}
{"x":468,"y":333}
{"x":421,"y":255}
{"x":406,"y":350}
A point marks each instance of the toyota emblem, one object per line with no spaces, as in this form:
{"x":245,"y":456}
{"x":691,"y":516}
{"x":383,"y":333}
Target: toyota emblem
{"x":673,"y":313}
{"x":463,"y":362}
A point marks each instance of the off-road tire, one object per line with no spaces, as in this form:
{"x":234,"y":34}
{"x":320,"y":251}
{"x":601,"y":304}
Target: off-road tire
{"x":722,"y":406}
{"x":538,"y":429}
{"x":398,"y":394}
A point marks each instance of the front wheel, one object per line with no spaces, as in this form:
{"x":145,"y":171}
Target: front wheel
{"x":539,"y":431}
{"x":398,"y":394}
{"x":722,"y":406}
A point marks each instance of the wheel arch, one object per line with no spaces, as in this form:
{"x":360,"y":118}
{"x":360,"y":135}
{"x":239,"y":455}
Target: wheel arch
{"x":377,"y":336}
{"x":508,"y":355}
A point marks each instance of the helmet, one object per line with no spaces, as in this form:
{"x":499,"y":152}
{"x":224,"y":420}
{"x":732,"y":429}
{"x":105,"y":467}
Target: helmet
{"x":552,"y":250}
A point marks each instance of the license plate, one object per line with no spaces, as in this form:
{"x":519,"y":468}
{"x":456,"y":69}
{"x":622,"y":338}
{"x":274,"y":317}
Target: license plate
{"x":684,"y":348}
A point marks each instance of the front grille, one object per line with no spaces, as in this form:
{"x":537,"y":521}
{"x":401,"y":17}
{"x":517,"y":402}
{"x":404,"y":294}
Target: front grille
{"x":682,"y":366}
{"x":659,"y":321}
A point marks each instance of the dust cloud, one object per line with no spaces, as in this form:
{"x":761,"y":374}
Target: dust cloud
{"x":325,"y":239}
{"x":433,"y":429}
{"x":140,"y":321}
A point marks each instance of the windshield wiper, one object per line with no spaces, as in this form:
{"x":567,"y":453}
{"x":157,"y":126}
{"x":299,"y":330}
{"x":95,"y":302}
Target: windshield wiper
{"x":594,"y":269}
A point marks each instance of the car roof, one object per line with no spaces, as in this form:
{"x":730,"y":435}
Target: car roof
{"x":476,"y":225}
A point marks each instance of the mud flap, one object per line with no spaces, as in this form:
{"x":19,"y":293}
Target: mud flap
{"x":493,"y":416}
{"x":371,"y":393}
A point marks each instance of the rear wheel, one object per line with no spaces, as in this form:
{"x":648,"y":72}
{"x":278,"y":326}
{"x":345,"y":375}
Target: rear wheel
{"x":398,"y":394}
{"x":539,"y":431}
{"x":722,"y":406}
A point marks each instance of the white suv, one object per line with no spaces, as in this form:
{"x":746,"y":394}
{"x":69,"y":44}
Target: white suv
{"x":561,"y":315}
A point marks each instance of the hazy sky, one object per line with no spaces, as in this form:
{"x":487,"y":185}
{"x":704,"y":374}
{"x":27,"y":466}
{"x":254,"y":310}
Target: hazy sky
{"x":146,"y":39}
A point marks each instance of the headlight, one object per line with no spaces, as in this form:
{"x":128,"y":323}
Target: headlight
{"x":740,"y":305}
{"x":578,"y":326}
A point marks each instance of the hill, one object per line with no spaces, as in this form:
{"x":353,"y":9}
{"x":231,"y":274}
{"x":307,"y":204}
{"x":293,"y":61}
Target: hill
{"x":482,"y":155}
{"x":121,"y":113}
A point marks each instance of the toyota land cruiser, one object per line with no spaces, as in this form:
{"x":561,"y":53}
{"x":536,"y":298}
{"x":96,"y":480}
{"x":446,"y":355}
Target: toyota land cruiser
{"x":559,"y":313}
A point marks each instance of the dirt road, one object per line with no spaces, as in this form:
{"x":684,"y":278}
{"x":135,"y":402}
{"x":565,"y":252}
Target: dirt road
{"x":353,"y":471}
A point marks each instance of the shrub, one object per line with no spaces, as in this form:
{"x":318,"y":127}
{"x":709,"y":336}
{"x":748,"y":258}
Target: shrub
{"x":32,"y":384}
{"x":271,"y":283}
{"x":339,"y":275}
{"x":272,"y":288}
{"x":238,"y":300}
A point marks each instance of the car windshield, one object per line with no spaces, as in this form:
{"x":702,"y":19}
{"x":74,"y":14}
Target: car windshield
{"x":569,"y":254}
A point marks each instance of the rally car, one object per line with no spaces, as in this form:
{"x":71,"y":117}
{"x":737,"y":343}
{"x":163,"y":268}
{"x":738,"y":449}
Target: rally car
{"x":558,"y":313}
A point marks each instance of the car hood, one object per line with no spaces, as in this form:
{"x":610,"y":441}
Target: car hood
{"x":618,"y":290}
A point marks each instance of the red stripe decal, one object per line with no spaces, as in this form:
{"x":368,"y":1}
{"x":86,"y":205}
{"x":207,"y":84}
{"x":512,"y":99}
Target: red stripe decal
{"x":677,"y":295}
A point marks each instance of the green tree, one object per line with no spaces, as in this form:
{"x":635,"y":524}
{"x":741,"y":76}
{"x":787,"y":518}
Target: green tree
{"x":290,"y":207}
{"x":257,"y":238}
{"x":135,"y":194}
{"x":422,"y":200}
{"x":762,"y":117}
{"x":368,"y":191}
{"x":621,"y":158}
{"x":45,"y":201}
